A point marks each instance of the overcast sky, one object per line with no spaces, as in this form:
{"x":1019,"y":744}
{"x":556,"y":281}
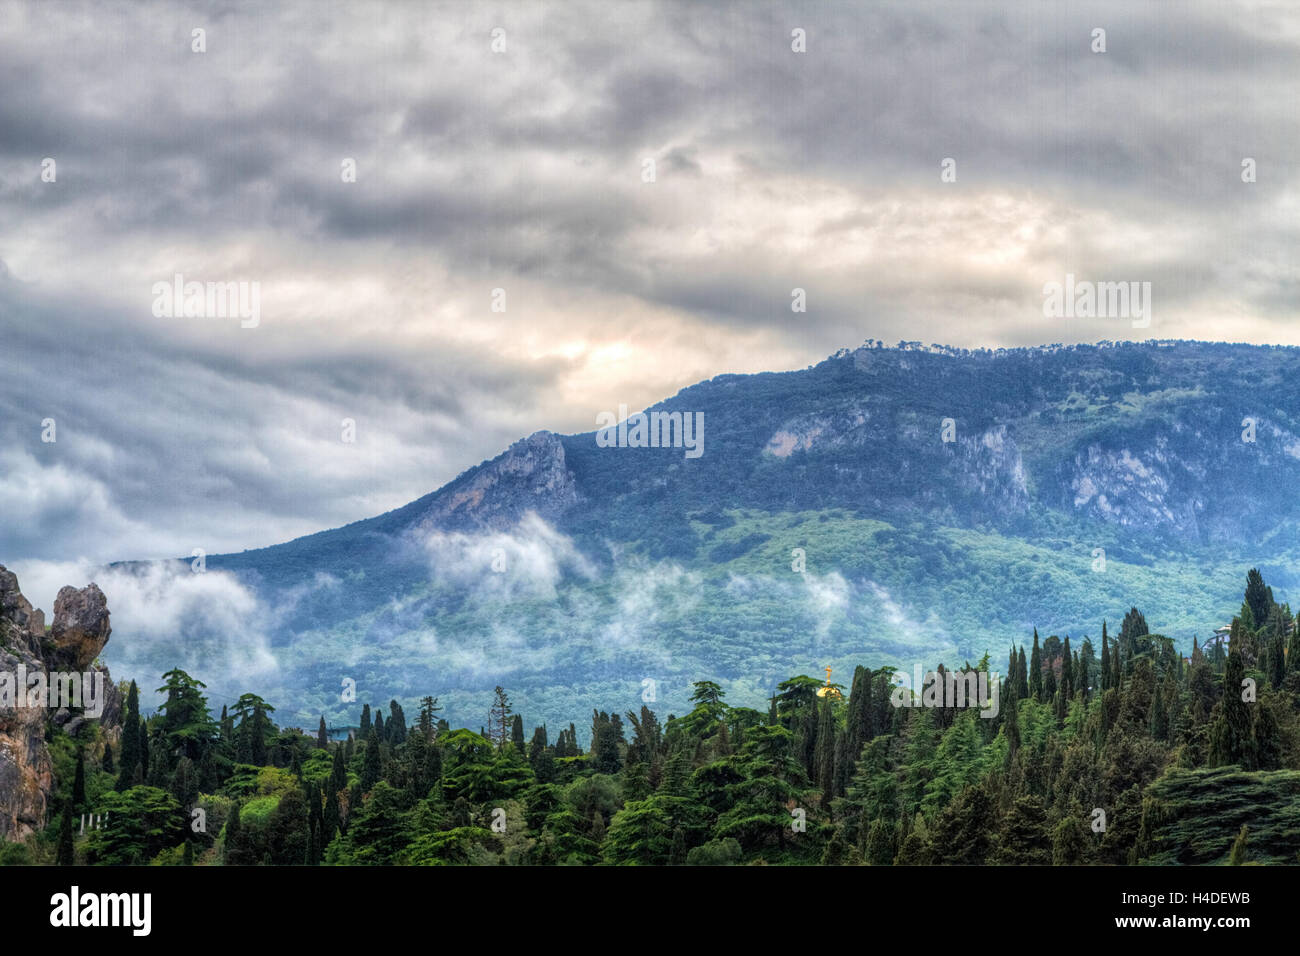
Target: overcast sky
{"x":524,"y":170}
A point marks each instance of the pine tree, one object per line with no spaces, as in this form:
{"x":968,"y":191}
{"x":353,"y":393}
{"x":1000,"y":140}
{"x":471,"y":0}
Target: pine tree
{"x":498,"y":728}
{"x":428,"y":715}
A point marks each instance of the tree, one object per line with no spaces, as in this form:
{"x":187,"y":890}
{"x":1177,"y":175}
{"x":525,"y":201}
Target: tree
{"x":322,"y":735}
{"x":517,"y":732}
{"x":79,"y":781}
{"x":1259,"y":597}
{"x":396,"y":726}
{"x":130,"y":751}
{"x":66,"y":855}
{"x":643,"y":832}
{"x":1036,"y":670}
{"x":1232,"y":737}
{"x":187,"y":726}
{"x":1238,"y":854}
{"x":771,"y":781}
{"x":1069,"y":843}
{"x":372,"y":766}
{"x":427,"y":721}
{"x":498,"y":729}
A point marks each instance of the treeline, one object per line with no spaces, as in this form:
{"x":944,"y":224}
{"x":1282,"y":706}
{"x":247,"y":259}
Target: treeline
{"x":1122,"y":753}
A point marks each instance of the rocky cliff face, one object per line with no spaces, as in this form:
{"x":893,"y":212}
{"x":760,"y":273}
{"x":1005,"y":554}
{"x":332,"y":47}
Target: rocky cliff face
{"x":79,"y":632}
{"x":531,"y":475}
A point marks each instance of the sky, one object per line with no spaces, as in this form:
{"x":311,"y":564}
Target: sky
{"x":645,"y":183}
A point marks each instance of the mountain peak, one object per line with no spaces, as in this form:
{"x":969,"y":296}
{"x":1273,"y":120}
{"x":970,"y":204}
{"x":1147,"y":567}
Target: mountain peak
{"x":530,"y":475}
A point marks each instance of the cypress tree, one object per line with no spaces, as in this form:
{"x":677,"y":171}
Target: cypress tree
{"x":232,"y":853}
{"x":824,"y":754}
{"x":1293,"y":647}
{"x":130,"y":753}
{"x":677,"y":854}
{"x":330,"y":819}
{"x":1067,"y":670}
{"x":144,"y":766}
{"x":107,"y":763}
{"x":1238,"y":855}
{"x":364,"y":732}
{"x":380,"y":730}
{"x":396,"y":726}
{"x":257,"y":738}
{"x":517,"y":732}
{"x":1232,"y":735}
{"x":1022,"y":674}
{"x":1036,"y":670}
{"x":1105,"y":659}
{"x":79,"y":781}
{"x":66,"y":855}
{"x":322,"y":736}
{"x":371,"y":767}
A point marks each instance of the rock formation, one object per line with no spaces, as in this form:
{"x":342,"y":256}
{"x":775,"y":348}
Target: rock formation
{"x":74,"y":641}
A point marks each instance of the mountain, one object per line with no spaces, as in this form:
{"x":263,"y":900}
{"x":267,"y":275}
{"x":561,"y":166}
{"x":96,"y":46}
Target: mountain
{"x":941,"y":503}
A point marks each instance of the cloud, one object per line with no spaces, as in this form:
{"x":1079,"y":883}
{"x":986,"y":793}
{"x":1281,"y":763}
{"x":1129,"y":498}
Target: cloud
{"x":165,"y":615}
{"x":523,"y":171}
{"x":526,"y":563}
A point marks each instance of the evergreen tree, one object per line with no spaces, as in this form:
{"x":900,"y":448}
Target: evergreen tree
{"x":1232,"y":737}
{"x":428,"y":715}
{"x":235,"y":853}
{"x":1259,"y":597}
{"x":396,"y":726}
{"x":79,"y":782}
{"x":824,"y":753}
{"x":1036,"y":670}
{"x":65,"y":855}
{"x":498,"y":728}
{"x":322,"y":735}
{"x":371,"y":767}
{"x":364,"y":732}
{"x":106,"y":765}
{"x":130,"y":751}
{"x":1238,"y":855}
{"x":517,"y":732}
{"x":1105,"y":659}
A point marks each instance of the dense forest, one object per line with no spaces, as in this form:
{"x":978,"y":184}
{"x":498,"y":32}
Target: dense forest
{"x":1121,"y":753}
